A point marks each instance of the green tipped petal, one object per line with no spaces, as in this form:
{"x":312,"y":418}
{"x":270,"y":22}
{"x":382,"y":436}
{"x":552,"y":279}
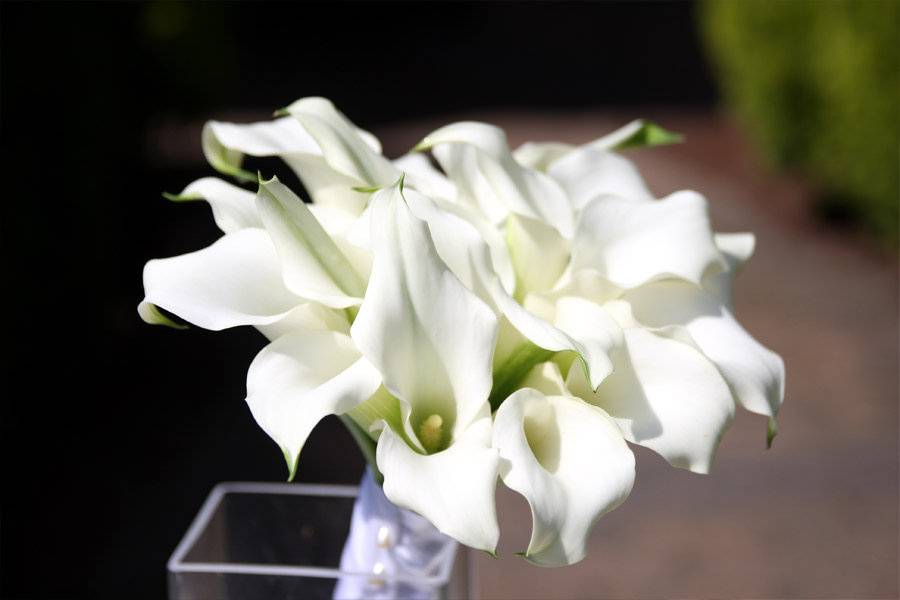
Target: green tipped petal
{"x":292,"y":463}
{"x":224,"y":160}
{"x":647,"y":134}
{"x":181,"y":197}
{"x":233,"y":207}
{"x":154,"y":315}
{"x":771,"y":432}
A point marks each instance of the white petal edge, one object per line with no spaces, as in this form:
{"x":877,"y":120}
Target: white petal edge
{"x":225,"y":144}
{"x":569,"y":460}
{"x":754,"y":373}
{"x":232,"y":207}
{"x":587,"y":172}
{"x":631,"y":243}
{"x":454,"y":488}
{"x":341,"y":143}
{"x":736,"y":248}
{"x":431,"y":338}
{"x":313,"y":265}
{"x":498,"y":183}
{"x":540,"y":155}
{"x":235,"y":281}
{"x":539,"y":254}
{"x":302,"y":377}
{"x":459,"y":245}
{"x":665,"y":395}
{"x":423,"y":177}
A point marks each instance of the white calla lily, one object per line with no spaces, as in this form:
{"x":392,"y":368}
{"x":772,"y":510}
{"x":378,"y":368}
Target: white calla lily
{"x":413,"y":303}
{"x":432,"y":339}
{"x":453,"y":488}
{"x":569,"y":460}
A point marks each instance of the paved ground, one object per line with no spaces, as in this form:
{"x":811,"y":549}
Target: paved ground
{"x":816,"y":516}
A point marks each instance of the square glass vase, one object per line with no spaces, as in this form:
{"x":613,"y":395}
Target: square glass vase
{"x":255,"y":541}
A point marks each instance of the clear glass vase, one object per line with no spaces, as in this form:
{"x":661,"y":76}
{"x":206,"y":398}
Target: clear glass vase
{"x":254,"y":541}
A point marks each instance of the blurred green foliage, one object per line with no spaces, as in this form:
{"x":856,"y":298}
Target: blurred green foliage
{"x":818,"y":85}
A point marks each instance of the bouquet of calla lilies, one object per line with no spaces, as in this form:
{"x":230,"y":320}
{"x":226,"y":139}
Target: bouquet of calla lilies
{"x":474,"y":313}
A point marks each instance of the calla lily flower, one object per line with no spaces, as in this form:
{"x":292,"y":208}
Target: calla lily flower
{"x":644,"y":264}
{"x":521,"y":314}
{"x":433,"y":341}
{"x":569,"y":460}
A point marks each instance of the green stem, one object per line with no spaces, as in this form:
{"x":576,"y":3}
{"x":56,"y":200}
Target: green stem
{"x":366,"y":445}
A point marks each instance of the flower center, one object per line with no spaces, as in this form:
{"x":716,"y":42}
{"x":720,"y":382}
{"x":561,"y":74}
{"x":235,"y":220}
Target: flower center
{"x":431,"y":433}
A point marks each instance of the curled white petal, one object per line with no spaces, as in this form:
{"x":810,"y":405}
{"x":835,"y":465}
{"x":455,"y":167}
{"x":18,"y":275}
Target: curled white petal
{"x":423,"y":177}
{"x":592,"y":344}
{"x":313,"y":265}
{"x":755,"y":373}
{"x":540,"y":155}
{"x":665,"y":395}
{"x":587,"y":172}
{"x":308,"y":315}
{"x":235,"y":281}
{"x":569,"y":460}
{"x":302,"y":377}
{"x":736,"y":249}
{"x":430,"y":336}
{"x":341,"y":144}
{"x":462,"y":248}
{"x":454,"y":488}
{"x":225,"y":144}
{"x":488,"y":172}
{"x":233,"y":208}
{"x":631,"y":243}
{"x":539,"y":254}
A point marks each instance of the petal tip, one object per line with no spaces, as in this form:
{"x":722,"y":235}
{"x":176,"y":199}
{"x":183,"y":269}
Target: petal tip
{"x":771,"y":432}
{"x":292,"y":462}
{"x":154,"y":315}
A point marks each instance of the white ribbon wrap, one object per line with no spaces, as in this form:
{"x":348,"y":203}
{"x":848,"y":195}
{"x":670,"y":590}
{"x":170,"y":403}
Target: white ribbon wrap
{"x":391,"y":543}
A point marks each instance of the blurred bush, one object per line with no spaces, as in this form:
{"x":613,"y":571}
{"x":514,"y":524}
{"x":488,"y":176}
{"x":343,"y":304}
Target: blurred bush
{"x":818,"y":83}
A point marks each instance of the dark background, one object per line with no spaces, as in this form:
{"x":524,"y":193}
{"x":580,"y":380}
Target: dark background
{"x":114,"y":431}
